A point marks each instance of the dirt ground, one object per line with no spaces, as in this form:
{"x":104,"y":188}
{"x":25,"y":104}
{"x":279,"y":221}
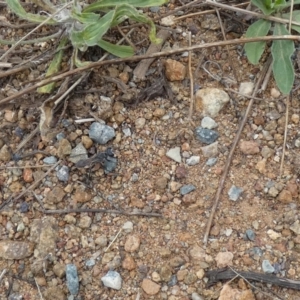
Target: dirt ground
{"x":157,"y":257}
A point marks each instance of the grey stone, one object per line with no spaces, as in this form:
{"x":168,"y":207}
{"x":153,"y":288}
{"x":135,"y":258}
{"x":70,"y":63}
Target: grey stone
{"x":193,"y":160}
{"x":72,"y":279}
{"x":60,"y":136}
{"x":90,"y":263}
{"x":50,"y":160}
{"x":174,"y":154}
{"x":112,"y":280}
{"x":196,"y":296}
{"x":15,"y":296}
{"x":234,"y":192}
{"x":154,"y":9}
{"x":246,"y":88}
{"x":101,"y":133}
{"x":295,"y":227}
{"x":186,"y":189}
{"x":206,"y":136}
{"x":63,"y":174}
{"x":267,"y":267}
{"x":210,"y":150}
{"x":78,"y":153}
{"x":211,"y":161}
{"x":250,"y":234}
{"x":209,"y":101}
{"x":209,"y":123}
{"x":128,"y":227}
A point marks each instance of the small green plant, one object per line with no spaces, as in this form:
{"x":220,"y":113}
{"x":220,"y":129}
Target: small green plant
{"x":86,"y":26}
{"x":281,"y":50}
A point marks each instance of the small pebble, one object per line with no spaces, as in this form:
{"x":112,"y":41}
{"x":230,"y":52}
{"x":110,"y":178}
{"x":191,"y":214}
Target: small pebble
{"x":50,"y":160}
{"x":267,"y":267}
{"x":196,"y":296}
{"x":234,"y":192}
{"x":193,"y":160}
{"x":90,"y":263}
{"x":101,"y":133}
{"x":128,"y":227}
{"x":174,"y":154}
{"x":78,"y":153}
{"x":209,"y":123}
{"x":24,"y":207}
{"x":250,"y":234}
{"x":206,"y":136}
{"x":186,"y":189}
{"x":60,"y":136}
{"x":112,"y":280}
{"x":246,"y":88}
{"x":63,"y":174}
{"x":72,"y":279}
{"x":211,"y":161}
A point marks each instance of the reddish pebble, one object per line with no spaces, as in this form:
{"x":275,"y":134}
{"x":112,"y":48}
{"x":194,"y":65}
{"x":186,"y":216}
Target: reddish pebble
{"x":27,"y":175}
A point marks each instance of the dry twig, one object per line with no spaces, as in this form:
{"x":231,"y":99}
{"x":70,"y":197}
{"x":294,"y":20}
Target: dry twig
{"x":230,"y":155}
{"x":191,"y":81}
{"x":140,"y":57}
{"x":32,"y":186}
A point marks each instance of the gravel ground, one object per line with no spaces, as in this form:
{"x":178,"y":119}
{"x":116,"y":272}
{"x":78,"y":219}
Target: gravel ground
{"x":133,"y":161}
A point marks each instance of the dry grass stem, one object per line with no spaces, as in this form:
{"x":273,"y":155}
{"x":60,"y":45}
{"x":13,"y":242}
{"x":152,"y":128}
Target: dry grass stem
{"x":140,"y":57}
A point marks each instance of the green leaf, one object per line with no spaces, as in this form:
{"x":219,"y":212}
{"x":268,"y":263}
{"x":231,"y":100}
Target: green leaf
{"x":255,"y":50}
{"x":264,"y":5}
{"x":112,"y":3}
{"x":117,"y":50}
{"x":85,"y":18}
{"x":129,"y":11}
{"x":54,"y":67}
{"x":282,"y":51}
{"x":93,"y":32}
{"x":18,"y":9}
{"x":295,"y":17}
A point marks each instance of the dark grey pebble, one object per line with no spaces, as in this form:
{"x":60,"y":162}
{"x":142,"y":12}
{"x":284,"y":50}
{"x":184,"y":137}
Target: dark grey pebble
{"x":173,"y":281}
{"x":250,"y":234}
{"x":187,"y":189}
{"x":255,"y":251}
{"x":206,"y":136}
{"x":24,"y":207}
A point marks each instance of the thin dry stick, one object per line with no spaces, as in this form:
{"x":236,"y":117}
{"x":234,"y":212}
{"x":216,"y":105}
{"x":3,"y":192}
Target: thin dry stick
{"x":227,"y":46}
{"x":2,"y":274}
{"x":27,"y":138}
{"x":140,"y":57}
{"x":30,"y":187}
{"x":113,"y":240}
{"x":252,"y":13}
{"x":33,"y":30}
{"x":230,"y":155}
{"x":243,"y":95}
{"x":27,"y":167}
{"x":102,"y":211}
{"x":285,"y":133}
{"x":253,"y":286}
{"x":191,"y":82}
{"x":193,"y":15}
{"x":41,"y":296}
{"x":93,"y":210}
